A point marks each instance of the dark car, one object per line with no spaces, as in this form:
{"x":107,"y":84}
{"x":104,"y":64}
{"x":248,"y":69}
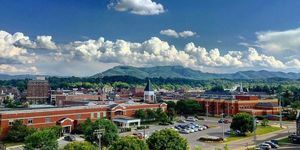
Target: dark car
{"x":273,"y":145}
{"x":70,"y":138}
{"x":224,"y":121}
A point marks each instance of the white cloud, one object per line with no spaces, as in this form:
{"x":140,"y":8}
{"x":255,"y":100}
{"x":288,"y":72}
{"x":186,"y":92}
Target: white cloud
{"x":45,"y":42}
{"x":20,"y":54}
{"x":185,"y":34}
{"x":175,"y":34}
{"x":169,"y":32}
{"x":4,"y":68}
{"x":138,"y":7}
{"x":279,"y":41}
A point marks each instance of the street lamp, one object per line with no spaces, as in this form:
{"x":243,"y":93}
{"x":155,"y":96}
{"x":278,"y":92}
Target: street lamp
{"x":222,"y":125}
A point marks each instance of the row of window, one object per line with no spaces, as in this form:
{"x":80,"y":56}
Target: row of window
{"x":48,"y":119}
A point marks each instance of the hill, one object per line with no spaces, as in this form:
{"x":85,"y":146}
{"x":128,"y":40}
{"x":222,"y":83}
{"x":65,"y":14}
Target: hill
{"x":187,"y":73}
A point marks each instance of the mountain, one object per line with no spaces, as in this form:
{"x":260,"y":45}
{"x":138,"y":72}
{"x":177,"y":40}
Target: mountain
{"x":10,"y":77}
{"x":187,"y":73}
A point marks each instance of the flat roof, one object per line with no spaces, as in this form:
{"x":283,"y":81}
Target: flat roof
{"x":49,"y":109}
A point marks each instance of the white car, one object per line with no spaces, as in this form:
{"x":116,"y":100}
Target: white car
{"x":192,"y":119}
{"x":264,"y":146}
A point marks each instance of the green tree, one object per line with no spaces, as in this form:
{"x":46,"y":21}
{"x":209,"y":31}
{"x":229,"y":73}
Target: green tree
{"x":167,"y":139}
{"x":242,"y":122}
{"x":171,"y":113}
{"x":164,"y":119}
{"x":80,"y":146}
{"x":265,"y":122}
{"x":42,"y":140}
{"x":296,"y":105}
{"x":141,"y":114}
{"x":150,"y":114}
{"x":188,"y":107}
{"x":129,"y":143}
{"x":109,"y":136}
{"x":18,"y":131}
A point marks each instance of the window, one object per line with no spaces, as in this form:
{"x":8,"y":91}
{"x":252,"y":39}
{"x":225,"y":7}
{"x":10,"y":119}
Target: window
{"x":10,"y":122}
{"x":92,"y":115}
{"x":98,"y":115}
{"x":30,"y":121}
{"x":78,"y":116}
{"x":47,"y":119}
{"x":104,"y":114}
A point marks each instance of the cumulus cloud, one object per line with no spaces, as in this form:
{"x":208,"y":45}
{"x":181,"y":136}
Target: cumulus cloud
{"x":12,"y":54}
{"x":278,"y":41}
{"x":175,"y":34}
{"x":169,"y":32}
{"x":20,"y":54}
{"x":138,"y":7}
{"x":4,"y":68}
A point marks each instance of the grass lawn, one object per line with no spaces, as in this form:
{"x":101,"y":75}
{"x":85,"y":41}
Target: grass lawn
{"x":260,"y":130}
{"x":283,"y":141}
{"x":8,"y":144}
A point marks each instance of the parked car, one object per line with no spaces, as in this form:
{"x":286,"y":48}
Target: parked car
{"x":181,"y":121}
{"x":192,"y":119}
{"x":264,"y":146}
{"x":69,"y":138}
{"x":273,"y":145}
{"x":206,"y":126}
{"x":184,"y":131}
{"x":224,"y":121}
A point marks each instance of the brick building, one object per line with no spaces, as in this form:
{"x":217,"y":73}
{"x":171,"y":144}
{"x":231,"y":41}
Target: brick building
{"x":69,"y":117}
{"x":38,"y":90}
{"x":241,"y":103}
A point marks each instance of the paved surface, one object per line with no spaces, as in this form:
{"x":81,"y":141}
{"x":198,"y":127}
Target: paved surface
{"x":62,"y":143}
{"x":217,"y":131}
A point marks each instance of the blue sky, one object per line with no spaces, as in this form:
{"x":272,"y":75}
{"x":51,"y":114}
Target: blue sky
{"x":262,"y":29}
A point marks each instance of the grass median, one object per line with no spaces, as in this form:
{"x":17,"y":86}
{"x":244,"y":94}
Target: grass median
{"x":260,"y":130}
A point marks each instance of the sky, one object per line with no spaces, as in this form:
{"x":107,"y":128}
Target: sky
{"x":82,"y":38}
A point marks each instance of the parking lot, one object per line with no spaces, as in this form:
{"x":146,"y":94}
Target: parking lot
{"x":214,"y":130}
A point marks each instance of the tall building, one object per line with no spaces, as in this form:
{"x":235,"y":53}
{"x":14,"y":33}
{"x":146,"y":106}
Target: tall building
{"x":149,"y":95}
{"x":38,"y":90}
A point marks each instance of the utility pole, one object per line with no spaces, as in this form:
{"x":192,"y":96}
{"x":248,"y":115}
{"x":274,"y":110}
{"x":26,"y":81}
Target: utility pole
{"x":207,"y":109}
{"x":99,"y":133}
{"x":254,"y":128}
{"x":222,"y":125}
{"x":280,"y":111}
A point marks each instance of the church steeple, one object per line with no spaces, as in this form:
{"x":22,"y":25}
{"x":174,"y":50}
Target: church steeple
{"x":149,"y":95}
{"x":148,"y":86}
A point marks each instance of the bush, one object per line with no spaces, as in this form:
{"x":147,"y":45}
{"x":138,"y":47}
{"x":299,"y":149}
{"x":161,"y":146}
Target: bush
{"x":122,"y":130}
{"x":211,"y":139}
{"x":142,"y":127}
{"x":80,"y":146}
{"x":260,"y":117}
{"x":129,"y":143}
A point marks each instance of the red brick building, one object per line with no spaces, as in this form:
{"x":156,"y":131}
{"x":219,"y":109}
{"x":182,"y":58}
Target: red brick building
{"x":38,"y":90}
{"x":241,"y":103}
{"x":69,"y":117}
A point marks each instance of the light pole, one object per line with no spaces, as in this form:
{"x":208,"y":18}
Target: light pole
{"x":254,"y":128}
{"x":280,"y":112}
{"x":207,"y":109}
{"x":222,"y":125}
{"x":99,"y":133}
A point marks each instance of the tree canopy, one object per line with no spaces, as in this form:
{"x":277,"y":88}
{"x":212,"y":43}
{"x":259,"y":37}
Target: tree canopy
{"x":188,"y":107}
{"x":18,"y":131}
{"x":109,"y":136}
{"x":129,"y":143}
{"x":243,"y":122}
{"x":167,"y":139}
{"x":42,"y":140}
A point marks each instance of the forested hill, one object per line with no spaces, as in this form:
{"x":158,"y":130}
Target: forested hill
{"x":187,"y":73}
